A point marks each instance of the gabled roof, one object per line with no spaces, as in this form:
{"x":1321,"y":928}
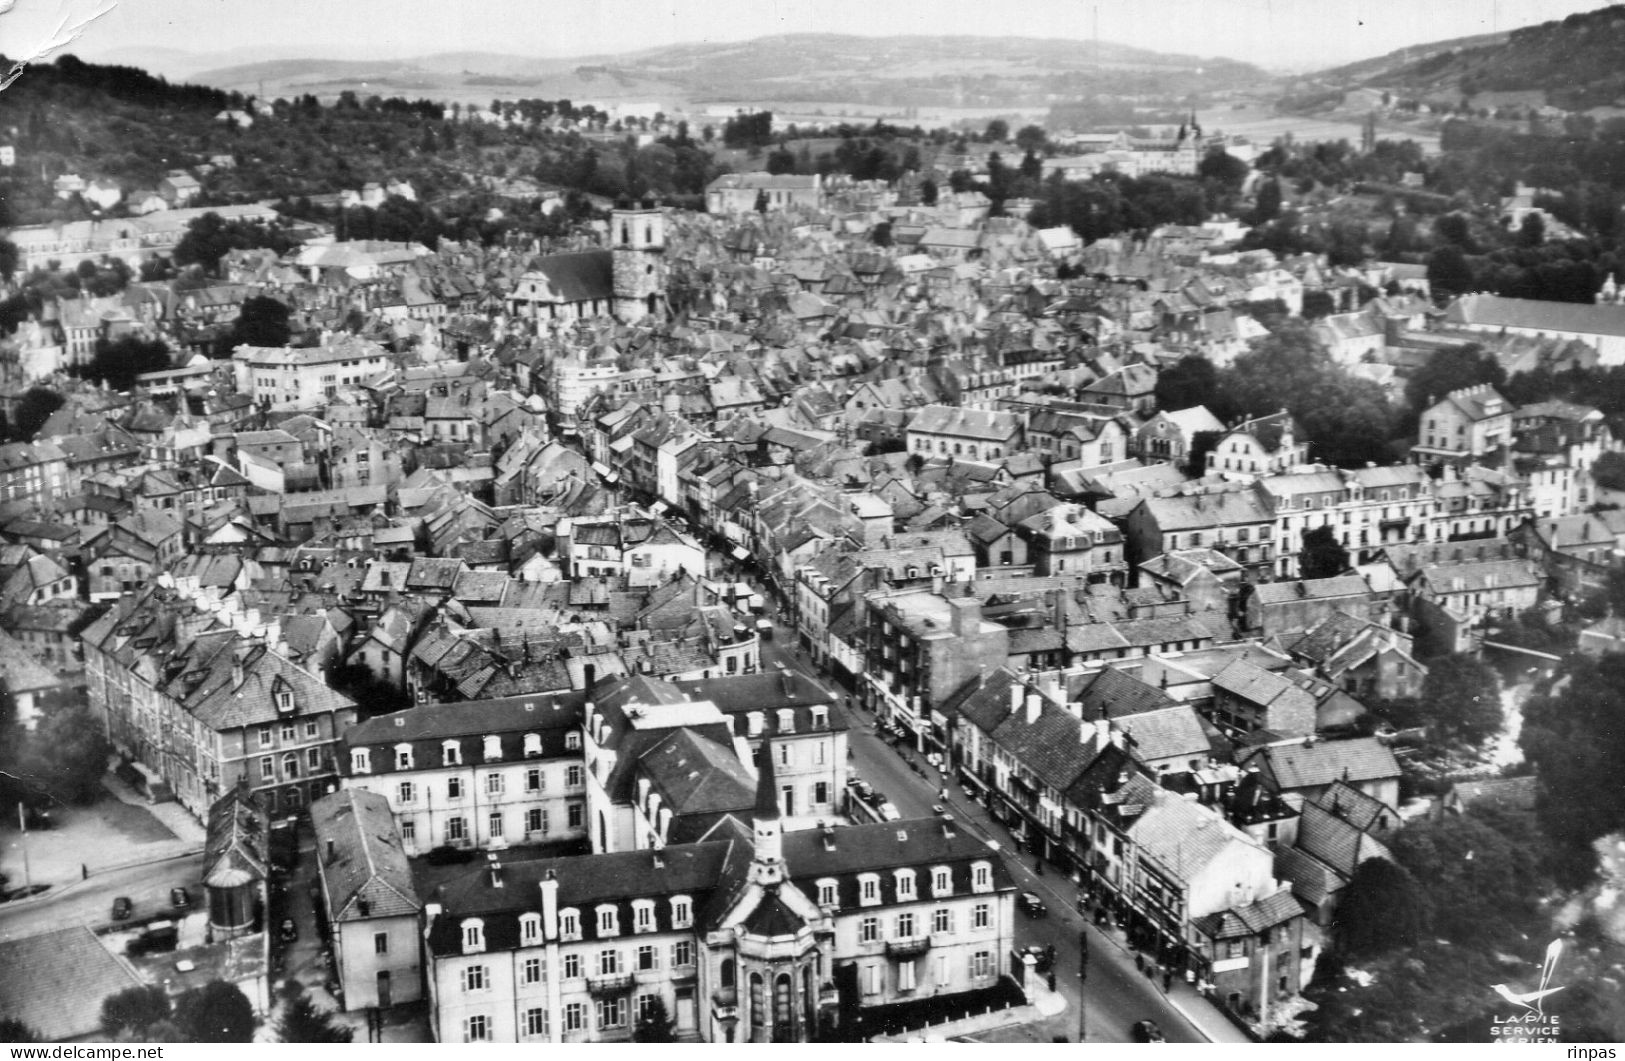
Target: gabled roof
{"x":363,"y":868}
{"x":1319,"y":763}
{"x":55,"y":982}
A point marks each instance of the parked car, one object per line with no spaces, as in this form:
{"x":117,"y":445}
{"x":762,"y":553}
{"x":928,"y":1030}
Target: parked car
{"x":179,"y":899}
{"x":1146,"y":1031}
{"x":289,"y":931}
{"x":1032,"y":905}
{"x":889,"y":812}
{"x":860,"y":787}
{"x":122,"y":908}
{"x":24,"y":892}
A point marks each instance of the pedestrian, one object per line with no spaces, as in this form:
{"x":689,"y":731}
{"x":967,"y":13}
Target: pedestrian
{"x":84,"y":871}
{"x":1167,"y":980}
{"x":1051,"y":981}
{"x":1139,"y":962}
{"x":1150,"y":973}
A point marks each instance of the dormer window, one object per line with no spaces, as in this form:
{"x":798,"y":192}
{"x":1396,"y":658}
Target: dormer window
{"x":533,"y":745}
{"x":360,"y":761}
{"x":753,"y":724}
{"x":942,"y":881}
{"x":981,"y":876}
{"x":492,"y":749}
{"x":905,"y":885}
{"x":827,"y":892}
{"x":820,"y":717}
{"x":869,"y":889}
{"x":569,"y":924}
{"x":787,"y":720}
{"x":473,"y":936}
{"x":453,"y":753}
{"x":643,"y":915}
{"x":530,"y":928}
{"x":572,"y":741}
{"x":284,"y":698}
{"x":609,"y":920}
{"x":682,"y":911}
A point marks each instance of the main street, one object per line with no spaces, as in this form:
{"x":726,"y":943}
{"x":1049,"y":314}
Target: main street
{"x":1115,"y":993}
{"x":90,"y":902}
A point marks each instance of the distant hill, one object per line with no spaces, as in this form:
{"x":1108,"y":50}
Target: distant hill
{"x":1576,"y":62}
{"x":886,"y":71}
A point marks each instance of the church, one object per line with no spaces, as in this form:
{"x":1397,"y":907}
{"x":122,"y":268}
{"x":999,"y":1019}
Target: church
{"x":627,"y":281}
{"x":749,"y":934}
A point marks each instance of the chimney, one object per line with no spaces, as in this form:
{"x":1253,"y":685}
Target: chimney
{"x":550,"y":905}
{"x":1102,"y":733}
{"x":1035,"y":707}
{"x":1015,"y":697}
{"x":238,"y":676}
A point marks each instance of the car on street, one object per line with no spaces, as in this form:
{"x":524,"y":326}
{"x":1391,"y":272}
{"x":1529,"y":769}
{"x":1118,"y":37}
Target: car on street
{"x":860,"y":787}
{"x":889,"y":812}
{"x":1146,"y":1031}
{"x":1032,"y":905}
{"x":122,"y":908}
{"x":289,"y":931}
{"x":179,"y":899}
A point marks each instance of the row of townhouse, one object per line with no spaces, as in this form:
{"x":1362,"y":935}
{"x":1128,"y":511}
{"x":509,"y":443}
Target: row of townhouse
{"x":203,"y":707}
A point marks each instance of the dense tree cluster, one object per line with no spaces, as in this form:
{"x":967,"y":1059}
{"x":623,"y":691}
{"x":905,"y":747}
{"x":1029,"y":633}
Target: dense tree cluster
{"x":1573,"y":737}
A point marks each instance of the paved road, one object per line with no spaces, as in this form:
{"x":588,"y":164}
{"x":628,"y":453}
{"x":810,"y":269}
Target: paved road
{"x":91,"y":902}
{"x":1116,"y":993}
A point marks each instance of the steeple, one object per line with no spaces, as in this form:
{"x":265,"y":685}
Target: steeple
{"x":768,"y":832}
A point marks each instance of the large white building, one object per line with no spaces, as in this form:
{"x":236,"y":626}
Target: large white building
{"x":306,"y":377}
{"x":480,"y":774}
{"x":748,"y":935}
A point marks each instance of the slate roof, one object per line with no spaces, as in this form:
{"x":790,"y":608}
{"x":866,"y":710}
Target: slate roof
{"x":1253,"y":919}
{"x":696,"y":775}
{"x":1493,"y":311}
{"x":235,"y":842}
{"x":55,"y":981}
{"x":1183,"y":835}
{"x":367,"y":875}
{"x":1310,"y":589}
{"x":1316,"y":764}
{"x":427,"y":726}
{"x":579,"y":277}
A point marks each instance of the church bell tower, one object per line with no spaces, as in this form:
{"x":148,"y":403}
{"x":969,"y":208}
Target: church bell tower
{"x":637,"y":235}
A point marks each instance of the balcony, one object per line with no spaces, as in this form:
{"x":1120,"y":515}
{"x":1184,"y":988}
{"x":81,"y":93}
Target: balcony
{"x":908,"y":948}
{"x":725,"y":997}
{"x":828,"y":995}
{"x":609,"y":986}
{"x":684,"y":973}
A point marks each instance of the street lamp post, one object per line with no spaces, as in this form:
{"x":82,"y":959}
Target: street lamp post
{"x":22,"y":825}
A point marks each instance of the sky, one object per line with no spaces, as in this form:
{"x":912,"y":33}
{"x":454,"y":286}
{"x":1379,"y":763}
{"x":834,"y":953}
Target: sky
{"x":1276,"y":34}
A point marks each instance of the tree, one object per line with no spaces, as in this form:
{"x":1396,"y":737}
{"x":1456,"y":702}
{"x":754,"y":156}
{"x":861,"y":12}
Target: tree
{"x":1532,"y":233}
{"x":217,"y":1012}
{"x":36,"y":407}
{"x":1032,"y":138}
{"x":1381,"y":908}
{"x":1464,"y":697}
{"x":1448,"y":272}
{"x":1449,"y":369}
{"x":1574,"y":739}
{"x":120,"y":361}
{"x":134,"y":1009}
{"x":15,"y":1031}
{"x":69,"y":754}
{"x":1349,"y":419}
{"x":928,"y":192}
{"x":262,"y":321}
{"x":655,"y":1026}
{"x":1608,"y":472}
{"x":880,"y":235}
{"x":998,"y":131}
{"x":1190,"y":381}
{"x":299,"y":1021}
{"x":1322,"y":555}
{"x":1268,"y":207}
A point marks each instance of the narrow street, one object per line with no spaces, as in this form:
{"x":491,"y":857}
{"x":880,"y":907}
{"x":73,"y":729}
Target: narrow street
{"x":1116,"y":994}
{"x":90,"y":902}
